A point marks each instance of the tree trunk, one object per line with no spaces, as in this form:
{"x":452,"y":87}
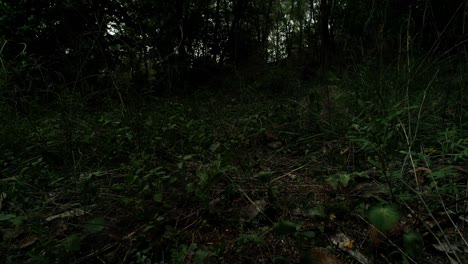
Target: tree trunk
{"x":232,"y":43}
{"x":216,"y":47}
{"x":326,"y":43}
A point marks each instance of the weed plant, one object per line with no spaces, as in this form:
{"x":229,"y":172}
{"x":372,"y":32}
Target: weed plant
{"x":170,"y":181}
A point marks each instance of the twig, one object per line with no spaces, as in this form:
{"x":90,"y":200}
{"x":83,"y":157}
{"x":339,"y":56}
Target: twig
{"x":288,"y":173}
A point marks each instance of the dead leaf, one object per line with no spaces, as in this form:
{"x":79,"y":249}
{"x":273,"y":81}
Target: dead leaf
{"x":292,"y":176}
{"x":368,"y":190}
{"x":349,"y":244}
{"x":271,"y":136}
{"x":71,"y":213}
{"x":323,"y":256}
{"x":249,"y":212}
{"x":420,"y":171}
{"x":27,"y":242}
{"x":343,"y":242}
{"x":461,"y":169}
{"x":214,"y":205}
{"x":275,"y":144}
{"x":450,"y":248}
{"x":8,"y":179}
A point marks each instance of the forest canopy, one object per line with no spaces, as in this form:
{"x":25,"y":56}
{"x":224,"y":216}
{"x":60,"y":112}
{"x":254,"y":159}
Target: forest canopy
{"x":171,"y":47}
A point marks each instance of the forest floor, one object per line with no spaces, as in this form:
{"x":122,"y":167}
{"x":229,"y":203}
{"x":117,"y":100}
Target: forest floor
{"x":227,"y":180}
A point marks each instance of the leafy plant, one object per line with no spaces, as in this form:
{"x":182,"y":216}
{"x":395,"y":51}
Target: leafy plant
{"x":251,"y":239}
{"x":95,"y":226}
{"x":181,"y":254}
{"x":285,"y":228}
{"x":384,"y":218}
{"x":72,"y":243}
{"x":413,"y":244}
{"x":454,"y":147}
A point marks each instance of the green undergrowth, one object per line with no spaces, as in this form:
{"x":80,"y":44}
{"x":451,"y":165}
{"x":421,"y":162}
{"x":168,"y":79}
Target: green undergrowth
{"x":225,"y":178}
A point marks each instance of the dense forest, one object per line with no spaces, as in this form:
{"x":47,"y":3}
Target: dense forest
{"x":233,"y":131}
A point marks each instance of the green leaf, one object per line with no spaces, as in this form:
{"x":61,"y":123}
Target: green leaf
{"x":18,"y":220}
{"x":188,"y":157}
{"x":95,"y":225}
{"x":15,"y":220}
{"x":264,"y":176}
{"x":285,"y":228}
{"x":384,"y":218}
{"x":201,"y":256}
{"x":6,"y":217}
{"x":72,"y":243}
{"x":158,"y":197}
{"x":333,"y":182}
{"x":308,"y":234}
{"x":117,"y":187}
{"x":308,"y":258}
{"x":413,"y":243}
{"x":190,"y":187}
{"x":37,"y":162}
{"x":282,"y":260}
{"x":317,"y":211}
{"x":214,"y":146}
{"x":342,"y":179}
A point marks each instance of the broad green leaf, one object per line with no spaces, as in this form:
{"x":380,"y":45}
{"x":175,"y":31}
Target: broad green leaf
{"x":285,"y":228}
{"x":72,"y":243}
{"x":180,"y":165}
{"x":117,"y":187}
{"x":201,"y":256}
{"x":342,"y":179}
{"x":309,"y":234}
{"x":413,"y":243}
{"x":264,"y":176}
{"x":6,"y":217}
{"x":317,"y":211}
{"x":95,"y":225}
{"x":188,"y":157}
{"x":384,"y":218}
{"x":158,"y":197}
{"x":214,"y":146}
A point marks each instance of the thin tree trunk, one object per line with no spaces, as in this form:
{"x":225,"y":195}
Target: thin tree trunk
{"x":216,"y":47}
{"x":325,"y":32}
{"x":266,"y":30}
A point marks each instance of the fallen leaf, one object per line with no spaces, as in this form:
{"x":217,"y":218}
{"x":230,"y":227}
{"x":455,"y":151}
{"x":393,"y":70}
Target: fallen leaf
{"x":450,"y":248}
{"x":323,"y":256}
{"x":249,"y":212}
{"x":27,"y":242}
{"x":275,"y":144}
{"x":292,"y":176}
{"x":71,"y":213}
{"x":342,"y":241}
{"x":349,"y":244}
